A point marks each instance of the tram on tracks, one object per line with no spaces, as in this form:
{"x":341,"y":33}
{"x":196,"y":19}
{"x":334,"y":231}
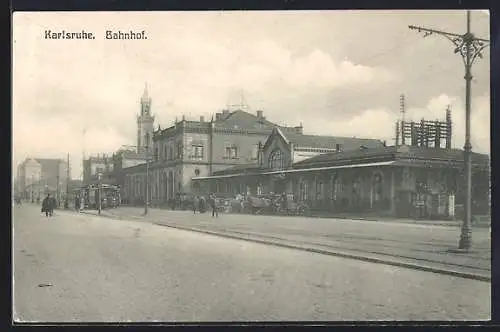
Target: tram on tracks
{"x":90,"y":195}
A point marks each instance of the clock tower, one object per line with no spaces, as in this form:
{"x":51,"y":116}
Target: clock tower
{"x":145,"y":123}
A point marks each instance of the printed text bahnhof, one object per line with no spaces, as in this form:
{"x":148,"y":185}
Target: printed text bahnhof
{"x":109,"y":34}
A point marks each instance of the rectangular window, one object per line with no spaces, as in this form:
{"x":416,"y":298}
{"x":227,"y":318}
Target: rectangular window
{"x":198,"y":151}
{"x":255,"y":152}
{"x":231,"y":152}
{"x":179,"y":150}
{"x":303,"y":191}
{"x":319,"y":190}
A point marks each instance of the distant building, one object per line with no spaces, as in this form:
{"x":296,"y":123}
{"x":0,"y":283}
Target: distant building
{"x":418,"y":180}
{"x":100,"y":164}
{"x":192,"y":149}
{"x":280,"y":152}
{"x":38,"y":176}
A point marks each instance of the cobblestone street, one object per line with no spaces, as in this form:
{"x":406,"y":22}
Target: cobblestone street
{"x":100,"y":269}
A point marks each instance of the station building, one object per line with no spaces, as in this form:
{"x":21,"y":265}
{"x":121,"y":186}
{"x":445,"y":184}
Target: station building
{"x":233,"y":139}
{"x":415,"y":180}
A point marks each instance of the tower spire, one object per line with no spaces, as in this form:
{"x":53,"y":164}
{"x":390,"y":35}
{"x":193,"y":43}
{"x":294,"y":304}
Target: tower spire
{"x":145,"y":95}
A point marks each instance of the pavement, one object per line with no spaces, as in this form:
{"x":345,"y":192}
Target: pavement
{"x":416,"y":246}
{"x":82,"y":268}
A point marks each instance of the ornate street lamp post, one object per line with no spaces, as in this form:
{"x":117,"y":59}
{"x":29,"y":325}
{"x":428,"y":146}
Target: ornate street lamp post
{"x":99,"y":206}
{"x":470,"y":48}
{"x":148,"y":159}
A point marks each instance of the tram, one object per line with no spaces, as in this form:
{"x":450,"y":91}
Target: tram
{"x":110,"y":196}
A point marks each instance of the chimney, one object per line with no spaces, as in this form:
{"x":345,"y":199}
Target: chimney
{"x":202,"y":118}
{"x":183,"y":117}
{"x":299,"y":129}
{"x":260,"y":114}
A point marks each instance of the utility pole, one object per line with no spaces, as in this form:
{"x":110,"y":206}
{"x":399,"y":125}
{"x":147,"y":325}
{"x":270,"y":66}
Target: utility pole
{"x":99,"y":203}
{"x":84,"y":130}
{"x":66,"y":202}
{"x":470,"y":48}
{"x":32,"y":188}
{"x":57,"y":190}
{"x":402,"y":106}
{"x":147,"y":181}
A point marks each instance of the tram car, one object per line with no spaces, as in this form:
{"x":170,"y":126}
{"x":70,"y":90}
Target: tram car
{"x":108,"y":194}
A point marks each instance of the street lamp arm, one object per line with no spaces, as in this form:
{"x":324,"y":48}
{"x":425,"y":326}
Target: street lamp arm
{"x":461,"y":42}
{"x":428,"y":32}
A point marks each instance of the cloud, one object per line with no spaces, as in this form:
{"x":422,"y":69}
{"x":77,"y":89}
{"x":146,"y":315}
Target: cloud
{"x":55,"y":137}
{"x":290,"y":64}
{"x":380,"y":123}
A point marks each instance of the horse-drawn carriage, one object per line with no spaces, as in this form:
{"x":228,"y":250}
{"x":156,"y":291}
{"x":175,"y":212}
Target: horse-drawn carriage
{"x":275,"y":204}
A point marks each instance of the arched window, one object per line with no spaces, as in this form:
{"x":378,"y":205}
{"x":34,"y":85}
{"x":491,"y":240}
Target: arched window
{"x":336,"y":187}
{"x":276,"y":160}
{"x":146,"y":140}
{"x":319,"y":189}
{"x":164,"y":186}
{"x":170,"y":185}
{"x":303,"y":190}
{"x":356,"y":188}
{"x":377,"y":187}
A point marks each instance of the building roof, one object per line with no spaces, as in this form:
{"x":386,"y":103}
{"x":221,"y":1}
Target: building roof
{"x":330,"y":142}
{"x":243,"y":120}
{"x":45,"y":162}
{"x":238,"y":168}
{"x":400,"y":153}
{"x":236,"y":120}
{"x":324,"y":142}
{"x":49,"y":163}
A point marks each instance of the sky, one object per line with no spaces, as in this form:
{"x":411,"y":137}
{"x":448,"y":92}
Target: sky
{"x":338,"y":73}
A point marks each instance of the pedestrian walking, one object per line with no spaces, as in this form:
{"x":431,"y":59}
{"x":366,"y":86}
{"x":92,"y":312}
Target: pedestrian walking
{"x":77,"y":203}
{"x":196,"y":204}
{"x":202,"y":204}
{"x":213,"y":203}
{"x":53,"y":204}
{"x":46,"y":205}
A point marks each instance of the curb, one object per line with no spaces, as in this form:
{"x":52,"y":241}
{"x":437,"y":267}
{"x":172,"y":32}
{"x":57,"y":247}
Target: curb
{"x":454,"y":273}
{"x":395,"y":263}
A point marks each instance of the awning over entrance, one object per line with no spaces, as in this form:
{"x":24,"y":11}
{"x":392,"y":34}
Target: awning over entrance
{"x":303,"y":170}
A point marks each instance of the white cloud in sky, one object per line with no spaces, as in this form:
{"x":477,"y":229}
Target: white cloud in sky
{"x":287,"y":64}
{"x":380,"y":123}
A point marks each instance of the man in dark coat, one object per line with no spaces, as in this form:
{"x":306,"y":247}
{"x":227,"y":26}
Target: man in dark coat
{"x":196,"y":204}
{"x":77,"y":203}
{"x":53,"y":204}
{"x":213,"y":203}
{"x":47,"y":205}
{"x":202,"y":204}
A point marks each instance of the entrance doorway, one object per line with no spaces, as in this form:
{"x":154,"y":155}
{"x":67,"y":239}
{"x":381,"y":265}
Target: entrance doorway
{"x":279,"y":186}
